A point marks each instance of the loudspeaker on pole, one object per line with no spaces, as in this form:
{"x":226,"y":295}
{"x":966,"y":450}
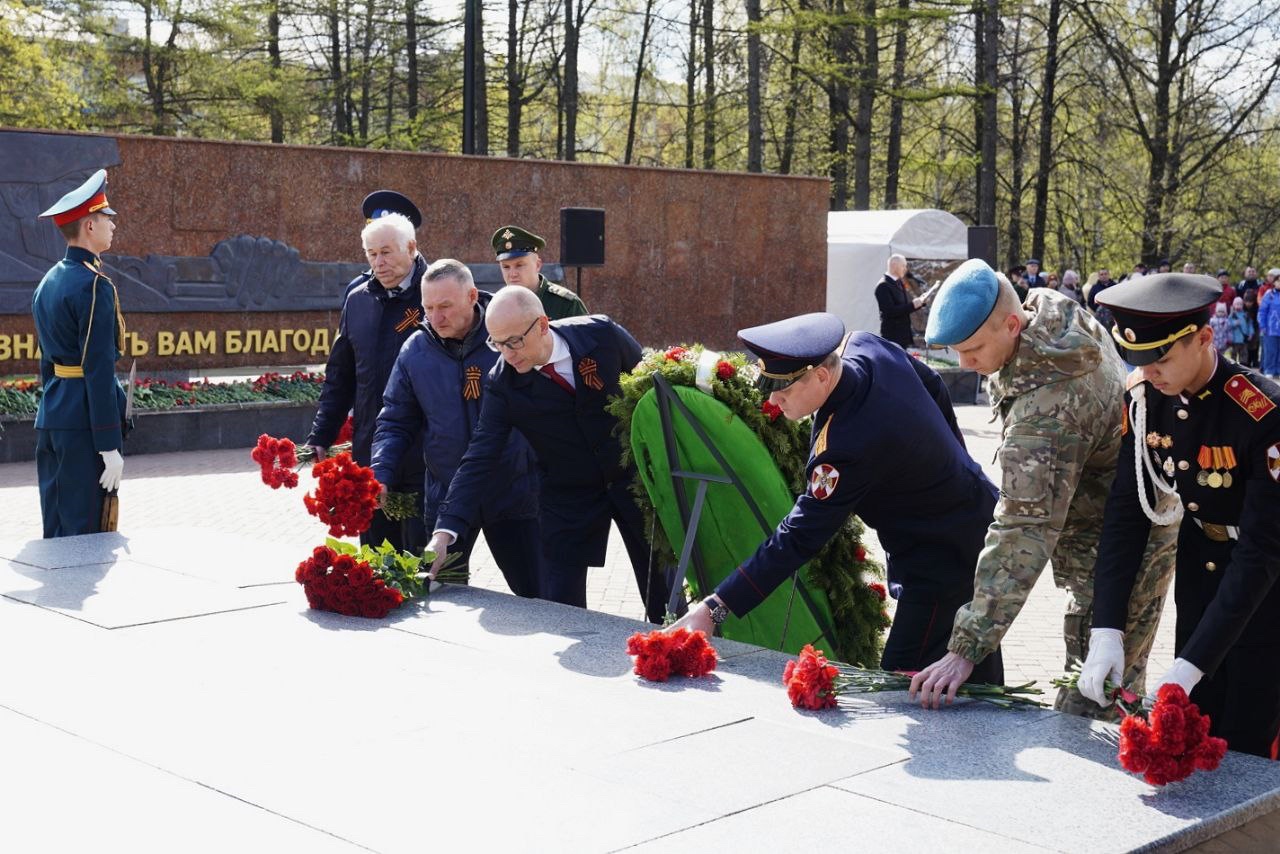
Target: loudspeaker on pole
{"x":982,"y":243}
{"x":582,"y":237}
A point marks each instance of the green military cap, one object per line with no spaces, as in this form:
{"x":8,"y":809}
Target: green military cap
{"x":512,"y":241}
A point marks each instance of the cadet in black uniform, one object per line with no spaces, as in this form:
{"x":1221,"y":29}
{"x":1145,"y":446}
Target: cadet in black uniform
{"x":885,"y":447}
{"x":1205,"y":428}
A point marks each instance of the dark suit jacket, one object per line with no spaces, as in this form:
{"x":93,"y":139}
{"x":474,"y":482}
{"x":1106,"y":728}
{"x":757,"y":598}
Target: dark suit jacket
{"x":571,"y":435}
{"x":895,"y":303}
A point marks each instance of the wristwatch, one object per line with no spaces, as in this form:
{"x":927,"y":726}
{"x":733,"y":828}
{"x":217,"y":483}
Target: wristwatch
{"x":719,"y":611}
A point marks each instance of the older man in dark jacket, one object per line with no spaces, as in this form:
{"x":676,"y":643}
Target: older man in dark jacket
{"x":896,"y":303}
{"x":434,"y":395}
{"x":377,"y":318}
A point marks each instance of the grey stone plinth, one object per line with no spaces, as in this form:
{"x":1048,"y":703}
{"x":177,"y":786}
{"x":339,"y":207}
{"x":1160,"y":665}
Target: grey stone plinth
{"x":195,"y":681}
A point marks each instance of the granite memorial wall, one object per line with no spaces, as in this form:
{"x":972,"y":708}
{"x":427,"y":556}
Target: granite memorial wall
{"x":237,"y":254}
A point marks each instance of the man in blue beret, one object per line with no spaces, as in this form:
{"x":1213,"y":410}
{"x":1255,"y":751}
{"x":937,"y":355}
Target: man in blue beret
{"x":884,"y":448}
{"x":1055,"y":381}
{"x":1207,"y":432}
{"x":79,"y":425}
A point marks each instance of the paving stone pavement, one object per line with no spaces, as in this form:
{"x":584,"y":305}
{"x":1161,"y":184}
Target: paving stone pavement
{"x":220,"y":490}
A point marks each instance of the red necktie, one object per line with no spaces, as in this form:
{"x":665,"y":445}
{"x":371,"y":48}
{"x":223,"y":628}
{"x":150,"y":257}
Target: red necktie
{"x":560,"y":381}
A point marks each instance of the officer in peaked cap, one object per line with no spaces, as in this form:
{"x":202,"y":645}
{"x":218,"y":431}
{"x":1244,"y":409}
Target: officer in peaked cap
{"x":517,"y":253}
{"x":884,"y":447}
{"x":1207,"y":429}
{"x":382,"y":202}
{"x":1034,"y":278}
{"x":81,"y":333}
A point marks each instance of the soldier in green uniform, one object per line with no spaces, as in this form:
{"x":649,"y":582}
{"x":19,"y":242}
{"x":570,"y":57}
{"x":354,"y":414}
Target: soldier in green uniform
{"x":1055,"y":383}
{"x":517,"y":251}
{"x":79,"y":425}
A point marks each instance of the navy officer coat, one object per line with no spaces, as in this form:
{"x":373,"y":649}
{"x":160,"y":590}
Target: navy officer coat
{"x":883,"y":447}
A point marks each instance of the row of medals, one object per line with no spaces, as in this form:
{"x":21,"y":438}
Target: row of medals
{"x":1211,"y":478}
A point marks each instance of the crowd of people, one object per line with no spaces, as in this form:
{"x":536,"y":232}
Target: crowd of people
{"x":1246,"y":319}
{"x":495,"y":410}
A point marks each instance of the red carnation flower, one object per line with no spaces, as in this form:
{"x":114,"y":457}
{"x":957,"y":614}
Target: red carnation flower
{"x":345,"y":497}
{"x":675,"y":354}
{"x":347,"y":431}
{"x":1172,"y":742}
{"x":860,"y":555}
{"x":276,"y":458}
{"x":770,"y":410}
{"x":810,"y":680}
{"x":662,"y":654}
{"x":879,"y":589}
{"x":725,"y":371}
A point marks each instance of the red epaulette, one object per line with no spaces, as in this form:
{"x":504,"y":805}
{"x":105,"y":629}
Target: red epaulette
{"x":1250,"y":398}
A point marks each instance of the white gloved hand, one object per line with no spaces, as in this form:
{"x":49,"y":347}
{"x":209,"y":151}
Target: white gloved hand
{"x":112,"y":469}
{"x":1181,"y":672}
{"x":1105,"y":662}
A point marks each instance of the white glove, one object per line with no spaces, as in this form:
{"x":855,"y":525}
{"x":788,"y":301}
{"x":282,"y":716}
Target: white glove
{"x":1105,"y":662}
{"x":112,"y":469}
{"x":1181,"y":672}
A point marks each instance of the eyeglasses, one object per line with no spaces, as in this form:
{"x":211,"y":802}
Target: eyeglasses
{"x":514,"y":343}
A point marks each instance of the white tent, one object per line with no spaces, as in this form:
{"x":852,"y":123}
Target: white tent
{"x":859,"y":244}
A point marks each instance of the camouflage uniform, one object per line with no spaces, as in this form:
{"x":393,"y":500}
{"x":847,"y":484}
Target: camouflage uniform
{"x":1061,"y":402}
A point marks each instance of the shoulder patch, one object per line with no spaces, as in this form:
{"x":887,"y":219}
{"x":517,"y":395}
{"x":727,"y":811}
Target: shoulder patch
{"x":561,"y":291}
{"x":1134,"y":377}
{"x":820,"y":444}
{"x":1250,"y":398}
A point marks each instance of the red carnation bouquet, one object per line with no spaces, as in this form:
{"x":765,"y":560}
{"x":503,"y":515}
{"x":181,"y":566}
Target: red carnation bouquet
{"x":277,"y":458}
{"x":368,"y":581}
{"x":1166,"y":743}
{"x":345,"y":433}
{"x":345,"y":497}
{"x":662,"y":654}
{"x":814,"y":682}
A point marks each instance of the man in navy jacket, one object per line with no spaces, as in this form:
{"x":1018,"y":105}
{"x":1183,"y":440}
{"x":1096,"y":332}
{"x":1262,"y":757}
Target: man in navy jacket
{"x":377,"y":318}
{"x":552,"y":385}
{"x":883,"y":448}
{"x":435,"y":392}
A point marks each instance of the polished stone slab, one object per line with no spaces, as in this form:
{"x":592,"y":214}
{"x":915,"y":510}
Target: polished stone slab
{"x":475,"y":720}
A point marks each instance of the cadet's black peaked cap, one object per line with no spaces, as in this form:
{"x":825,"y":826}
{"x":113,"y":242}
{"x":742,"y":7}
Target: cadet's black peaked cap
{"x":789,"y":349}
{"x":1154,"y":311}
{"x":382,"y":202}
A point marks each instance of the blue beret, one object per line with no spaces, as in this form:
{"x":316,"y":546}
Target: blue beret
{"x":963,"y":304}
{"x":789,"y":349}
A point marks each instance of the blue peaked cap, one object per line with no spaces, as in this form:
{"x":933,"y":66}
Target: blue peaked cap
{"x":963,"y":304}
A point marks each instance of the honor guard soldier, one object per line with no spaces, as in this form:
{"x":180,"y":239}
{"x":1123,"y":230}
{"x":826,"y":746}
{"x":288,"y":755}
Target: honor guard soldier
{"x":882,"y":448}
{"x":381,"y":310}
{"x":517,"y":251}
{"x":1206,"y":429}
{"x":1054,"y":380}
{"x":79,"y":424}
{"x":552,"y":385}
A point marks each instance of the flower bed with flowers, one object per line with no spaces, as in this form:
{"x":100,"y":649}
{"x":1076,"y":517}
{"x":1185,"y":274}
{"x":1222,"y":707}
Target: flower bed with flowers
{"x":21,"y":397}
{"x":842,"y":570}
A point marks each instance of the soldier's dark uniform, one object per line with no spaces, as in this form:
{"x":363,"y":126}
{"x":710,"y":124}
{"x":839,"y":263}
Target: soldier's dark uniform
{"x":81,"y":334}
{"x":883,"y":447}
{"x":1220,"y":449}
{"x":558,"y":302}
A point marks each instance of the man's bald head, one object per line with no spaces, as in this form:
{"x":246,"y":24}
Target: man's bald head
{"x":515,"y":317}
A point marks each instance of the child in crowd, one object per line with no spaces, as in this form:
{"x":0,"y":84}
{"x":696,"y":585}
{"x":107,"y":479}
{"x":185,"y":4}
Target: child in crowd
{"x":1220,"y":323}
{"x":1241,"y":332}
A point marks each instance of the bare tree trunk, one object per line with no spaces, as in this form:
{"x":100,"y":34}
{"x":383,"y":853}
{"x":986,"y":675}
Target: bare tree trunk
{"x":709,"y":102}
{"x":639,"y":76}
{"x":366,"y":72}
{"x":755,"y":121}
{"x":792,"y":108}
{"x":273,"y":54}
{"x":990,"y":56}
{"x":515,"y":82}
{"x":411,"y":55}
{"x":838,"y":100}
{"x":482,"y":90}
{"x":1017,"y":145}
{"x":340,"y":127}
{"x":691,"y":84}
{"x":862,"y":125}
{"x":570,"y":82}
{"x":1040,"y":217}
{"x":893,"y":156}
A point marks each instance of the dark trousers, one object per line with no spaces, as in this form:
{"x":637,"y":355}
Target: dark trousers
{"x":409,"y":535}
{"x":921,"y":630}
{"x":1242,"y":698}
{"x":68,"y":468}
{"x":516,"y":545}
{"x":564,"y":570}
